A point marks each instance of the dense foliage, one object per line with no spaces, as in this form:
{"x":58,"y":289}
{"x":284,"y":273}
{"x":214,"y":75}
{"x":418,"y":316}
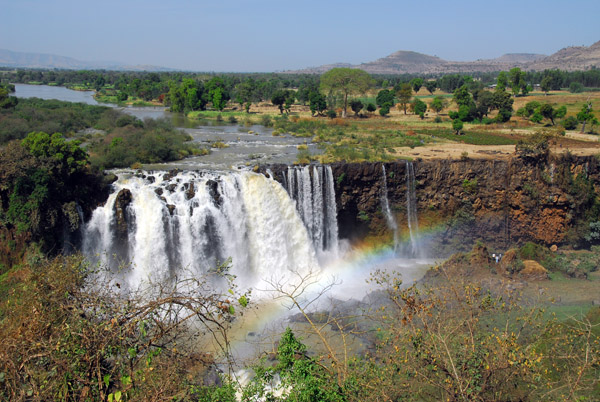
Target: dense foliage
{"x":43,"y":181}
{"x":153,"y":141}
{"x":51,"y":116}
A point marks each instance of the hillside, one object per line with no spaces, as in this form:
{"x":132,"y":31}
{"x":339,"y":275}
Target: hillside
{"x":409,"y":62}
{"x":570,"y":59}
{"x":9,"y":58}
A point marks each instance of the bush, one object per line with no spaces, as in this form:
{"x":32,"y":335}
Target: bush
{"x":575,"y":87}
{"x":331,"y":114}
{"x":265,"y":120}
{"x":570,"y":123}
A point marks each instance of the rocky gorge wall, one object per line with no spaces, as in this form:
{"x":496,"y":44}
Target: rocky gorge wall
{"x":501,"y":202}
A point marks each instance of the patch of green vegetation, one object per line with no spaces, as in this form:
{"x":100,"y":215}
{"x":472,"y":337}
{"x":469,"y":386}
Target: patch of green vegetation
{"x":52,"y":116}
{"x":473,"y":137}
{"x":154,"y":141}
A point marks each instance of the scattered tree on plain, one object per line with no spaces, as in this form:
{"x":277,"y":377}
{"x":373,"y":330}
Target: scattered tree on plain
{"x":346,"y":81}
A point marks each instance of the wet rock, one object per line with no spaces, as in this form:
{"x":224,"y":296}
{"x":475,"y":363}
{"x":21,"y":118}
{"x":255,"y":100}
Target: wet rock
{"x":213,"y":190}
{"x":171,"y":209}
{"x":159,"y":191}
{"x":170,"y":174}
{"x":190,"y":193}
{"x":171,"y":187}
{"x":122,"y":201}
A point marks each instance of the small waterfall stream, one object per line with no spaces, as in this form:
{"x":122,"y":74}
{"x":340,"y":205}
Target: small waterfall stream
{"x":312,"y":188}
{"x":411,"y":212}
{"x":389,"y":217}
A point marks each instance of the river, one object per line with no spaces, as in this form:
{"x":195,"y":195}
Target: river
{"x":238,"y":145}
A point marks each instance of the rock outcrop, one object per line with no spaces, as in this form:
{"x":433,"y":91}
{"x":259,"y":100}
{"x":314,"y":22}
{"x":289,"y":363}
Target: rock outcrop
{"x":502,"y":202}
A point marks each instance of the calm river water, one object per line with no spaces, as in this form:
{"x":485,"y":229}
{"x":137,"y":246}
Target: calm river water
{"x":240,"y":145}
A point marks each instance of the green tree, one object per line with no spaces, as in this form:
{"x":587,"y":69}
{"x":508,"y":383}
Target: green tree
{"x":419,"y":107}
{"x":575,"y":87}
{"x":586,"y":114}
{"x":244,"y":93}
{"x":356,"y":106}
{"x":217,"y":93}
{"x":462,"y":96}
{"x":517,"y":81}
{"x":283,"y":99}
{"x":416,"y":84}
{"x":346,"y":81}
{"x":546,"y":84}
{"x":385,"y":98}
{"x":404,"y":94}
{"x":548,"y":112}
{"x":6,"y":101}
{"x":503,"y":103}
{"x":457,"y":125}
{"x":438,"y":104}
{"x":502,"y":81}
{"x":431,"y":86}
{"x":318,"y":103}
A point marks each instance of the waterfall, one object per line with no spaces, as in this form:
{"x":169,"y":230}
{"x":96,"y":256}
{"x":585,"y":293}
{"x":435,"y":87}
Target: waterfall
{"x":411,"y":211}
{"x":389,"y":217}
{"x":312,"y":187}
{"x":187,"y":224}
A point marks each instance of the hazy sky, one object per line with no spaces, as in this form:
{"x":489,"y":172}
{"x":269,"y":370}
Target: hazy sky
{"x":269,"y":35}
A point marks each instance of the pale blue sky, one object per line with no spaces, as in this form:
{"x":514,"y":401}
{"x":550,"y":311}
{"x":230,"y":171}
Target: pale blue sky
{"x":269,"y":35}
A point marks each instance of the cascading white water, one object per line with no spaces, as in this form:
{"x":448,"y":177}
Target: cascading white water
{"x":411,"y":211}
{"x":187,"y":224}
{"x":389,"y":217}
{"x":315,"y":200}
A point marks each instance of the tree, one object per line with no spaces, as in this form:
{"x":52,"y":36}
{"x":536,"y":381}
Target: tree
{"x":416,"y":84}
{"x":431,"y":85}
{"x":503,"y":102}
{"x":281,"y":97}
{"x":462,"y":96}
{"x":356,"y":106}
{"x":548,"y":112}
{"x":457,"y":125}
{"x":404,"y":94}
{"x":438,"y":104}
{"x":217,"y":93}
{"x":586,"y":114}
{"x":384,"y":111}
{"x":385,"y":98}
{"x":575,"y":87}
{"x":346,"y":81}
{"x":517,"y":81}
{"x":546,"y":84}
{"x":244,"y":93}
{"x":318,"y":103}
{"x":502,"y":81}
{"x":6,"y":101}
{"x":419,"y":107}
{"x":371,"y":107}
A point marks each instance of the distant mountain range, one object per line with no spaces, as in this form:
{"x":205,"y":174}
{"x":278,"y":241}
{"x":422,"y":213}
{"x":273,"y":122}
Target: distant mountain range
{"x":407,"y":62}
{"x":402,"y":62}
{"x":49,"y":61}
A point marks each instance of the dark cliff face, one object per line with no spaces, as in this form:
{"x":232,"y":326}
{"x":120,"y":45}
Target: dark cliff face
{"x":501,"y":202}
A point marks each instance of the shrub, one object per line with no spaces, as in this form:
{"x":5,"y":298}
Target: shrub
{"x":265,"y":120}
{"x":570,"y":123}
{"x":331,"y":114}
{"x":575,"y":87}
